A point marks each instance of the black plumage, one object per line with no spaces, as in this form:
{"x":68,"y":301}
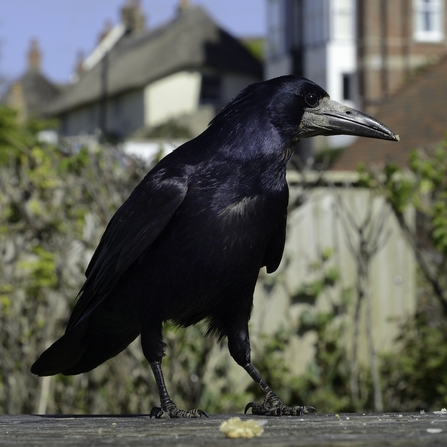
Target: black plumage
{"x":190,"y":240}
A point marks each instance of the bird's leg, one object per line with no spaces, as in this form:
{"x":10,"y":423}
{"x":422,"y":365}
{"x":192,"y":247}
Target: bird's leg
{"x":239,"y":347}
{"x":272,"y":405}
{"x":153,"y":349}
{"x":167,"y":406}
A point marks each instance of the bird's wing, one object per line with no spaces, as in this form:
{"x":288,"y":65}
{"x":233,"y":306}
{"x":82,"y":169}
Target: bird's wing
{"x":130,"y":232}
{"x":275,"y":248}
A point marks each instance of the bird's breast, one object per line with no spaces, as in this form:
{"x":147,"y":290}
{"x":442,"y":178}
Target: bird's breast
{"x":240,"y":208}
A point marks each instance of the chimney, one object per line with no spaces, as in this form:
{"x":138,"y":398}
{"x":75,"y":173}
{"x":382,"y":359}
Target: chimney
{"x":79,"y":67}
{"x":34,"y":56}
{"x":183,"y":6}
{"x":16,"y":100}
{"x":132,"y":17}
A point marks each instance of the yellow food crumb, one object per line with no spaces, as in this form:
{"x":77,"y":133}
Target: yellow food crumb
{"x":236,"y":428}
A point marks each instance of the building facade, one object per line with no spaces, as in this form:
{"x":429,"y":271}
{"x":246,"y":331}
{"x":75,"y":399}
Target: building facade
{"x":137,"y":79}
{"x":360,"y":51}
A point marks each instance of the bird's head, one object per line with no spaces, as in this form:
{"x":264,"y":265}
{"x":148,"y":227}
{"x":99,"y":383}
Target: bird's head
{"x":271,"y":116}
{"x":300,"y":109}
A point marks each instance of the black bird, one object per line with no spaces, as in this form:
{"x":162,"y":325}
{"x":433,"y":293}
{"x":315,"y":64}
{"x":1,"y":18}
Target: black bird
{"x":188,"y":243}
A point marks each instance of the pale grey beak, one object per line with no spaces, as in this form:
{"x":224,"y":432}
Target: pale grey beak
{"x":333,"y":118}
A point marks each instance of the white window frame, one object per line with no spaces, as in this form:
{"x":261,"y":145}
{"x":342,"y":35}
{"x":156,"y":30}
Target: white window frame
{"x":432,"y":10}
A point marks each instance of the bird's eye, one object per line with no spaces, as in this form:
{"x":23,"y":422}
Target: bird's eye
{"x":311,"y":99}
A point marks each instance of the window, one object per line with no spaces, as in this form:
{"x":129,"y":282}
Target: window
{"x":428,"y":19}
{"x":92,"y":123}
{"x":210,"y":91}
{"x":116,"y":108}
{"x":347,"y":87}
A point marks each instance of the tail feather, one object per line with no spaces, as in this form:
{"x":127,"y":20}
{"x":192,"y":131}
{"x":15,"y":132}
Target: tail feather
{"x":85,"y":346}
{"x":63,"y":354}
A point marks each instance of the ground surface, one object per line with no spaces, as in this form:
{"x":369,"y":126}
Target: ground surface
{"x":384,"y":429}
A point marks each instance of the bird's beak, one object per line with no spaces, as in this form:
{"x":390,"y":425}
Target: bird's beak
{"x":333,"y":118}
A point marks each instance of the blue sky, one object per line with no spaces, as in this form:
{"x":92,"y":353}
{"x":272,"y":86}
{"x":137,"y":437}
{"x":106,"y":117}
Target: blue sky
{"x":64,"y":27}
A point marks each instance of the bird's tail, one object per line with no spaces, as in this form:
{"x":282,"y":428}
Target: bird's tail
{"x":63,"y":354}
{"x":85,"y":346}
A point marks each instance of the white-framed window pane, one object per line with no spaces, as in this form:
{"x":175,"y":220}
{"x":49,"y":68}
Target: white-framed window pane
{"x":428,"y":20}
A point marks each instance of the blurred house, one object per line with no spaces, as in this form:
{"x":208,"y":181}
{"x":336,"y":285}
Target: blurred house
{"x":360,"y":51}
{"x":33,"y":90}
{"x":183,"y":71}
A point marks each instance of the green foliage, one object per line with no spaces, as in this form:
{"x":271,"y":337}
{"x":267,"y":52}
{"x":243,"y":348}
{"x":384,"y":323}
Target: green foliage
{"x":416,"y":378}
{"x":188,"y":374}
{"x":256,"y":46}
{"x":325,"y":384}
{"x":397,"y":187}
{"x":13,"y":139}
{"x":17,"y":138}
{"x":327,"y":275}
{"x":430,"y":191}
{"x":54,"y":206}
{"x":327,"y":157}
{"x":40,"y":270}
{"x":424,"y":187}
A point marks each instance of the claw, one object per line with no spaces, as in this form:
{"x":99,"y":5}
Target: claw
{"x":308,"y":407}
{"x":248,"y":406}
{"x":174,"y":412}
{"x":272,"y":406}
{"x":157,"y":412}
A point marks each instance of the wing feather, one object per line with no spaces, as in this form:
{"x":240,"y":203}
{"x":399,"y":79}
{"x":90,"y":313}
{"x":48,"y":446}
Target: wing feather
{"x":129,"y":234}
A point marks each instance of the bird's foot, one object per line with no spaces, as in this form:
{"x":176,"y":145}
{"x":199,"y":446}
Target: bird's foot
{"x":272,"y":406}
{"x":170,"y":410}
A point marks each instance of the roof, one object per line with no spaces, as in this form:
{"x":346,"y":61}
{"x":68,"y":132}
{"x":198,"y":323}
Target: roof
{"x":37,"y":91}
{"x":192,"y":40}
{"x":417,"y":112}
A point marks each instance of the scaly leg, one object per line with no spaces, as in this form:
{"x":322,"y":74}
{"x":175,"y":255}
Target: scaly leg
{"x":239,"y":347}
{"x":272,"y":405}
{"x":167,"y":406}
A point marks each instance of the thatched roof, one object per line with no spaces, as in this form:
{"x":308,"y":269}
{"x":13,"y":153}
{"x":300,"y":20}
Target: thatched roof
{"x":37,"y":91}
{"x":191,"y":41}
